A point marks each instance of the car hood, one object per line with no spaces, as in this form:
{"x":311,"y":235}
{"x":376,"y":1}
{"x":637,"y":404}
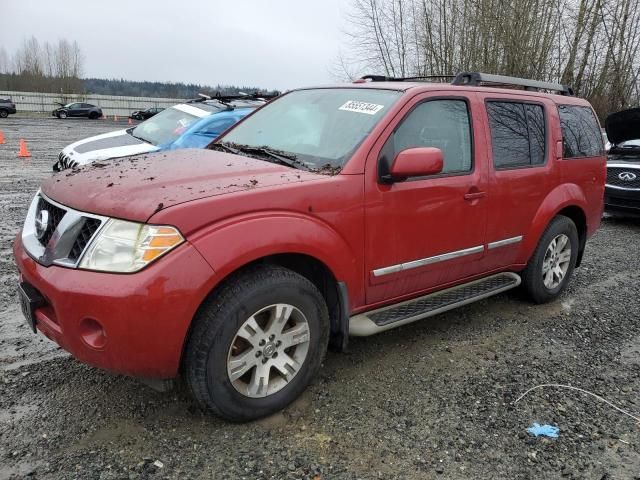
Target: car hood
{"x":623,"y":126}
{"x":134,"y":188}
{"x":627,"y":158}
{"x":119,"y":138}
{"x":101,"y":147}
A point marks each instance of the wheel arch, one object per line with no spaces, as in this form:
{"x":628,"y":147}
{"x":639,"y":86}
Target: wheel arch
{"x":567,"y":200}
{"x":317,"y":272}
{"x":579,"y":218}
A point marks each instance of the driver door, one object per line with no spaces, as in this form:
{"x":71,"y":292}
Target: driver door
{"x":75,"y":110}
{"x":427,"y":232}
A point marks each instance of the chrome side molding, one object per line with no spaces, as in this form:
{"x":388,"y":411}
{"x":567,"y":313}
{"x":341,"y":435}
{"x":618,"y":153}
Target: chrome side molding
{"x":426,"y":261}
{"x":506,"y":241}
{"x":379,"y":272}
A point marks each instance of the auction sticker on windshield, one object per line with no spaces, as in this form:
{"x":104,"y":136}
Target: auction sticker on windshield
{"x":361,"y":107}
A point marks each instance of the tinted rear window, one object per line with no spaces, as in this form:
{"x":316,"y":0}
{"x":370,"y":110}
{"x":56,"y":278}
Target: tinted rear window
{"x":581,"y":134}
{"x":517,"y":134}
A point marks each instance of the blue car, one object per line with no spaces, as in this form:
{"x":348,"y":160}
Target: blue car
{"x":189,"y":125}
{"x":201,"y":133}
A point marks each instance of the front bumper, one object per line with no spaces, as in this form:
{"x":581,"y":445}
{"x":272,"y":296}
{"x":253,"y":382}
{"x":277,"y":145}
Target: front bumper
{"x":617,"y":200}
{"x":133,"y":324}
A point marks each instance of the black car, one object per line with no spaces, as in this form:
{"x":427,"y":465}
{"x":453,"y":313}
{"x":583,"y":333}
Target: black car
{"x":622,"y":191}
{"x":77,"y":109}
{"x":144,"y":114}
{"x":6,"y":107}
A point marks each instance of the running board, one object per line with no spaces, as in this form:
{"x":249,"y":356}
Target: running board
{"x":393,"y":316}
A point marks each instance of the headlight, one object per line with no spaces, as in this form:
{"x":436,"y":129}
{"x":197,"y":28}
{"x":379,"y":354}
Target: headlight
{"x":127,"y":246}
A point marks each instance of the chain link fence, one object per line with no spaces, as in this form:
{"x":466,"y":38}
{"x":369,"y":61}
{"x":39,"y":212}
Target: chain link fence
{"x":44,"y":103}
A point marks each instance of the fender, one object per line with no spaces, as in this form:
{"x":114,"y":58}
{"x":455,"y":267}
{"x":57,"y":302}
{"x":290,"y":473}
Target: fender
{"x":249,"y":237}
{"x":565,"y":195}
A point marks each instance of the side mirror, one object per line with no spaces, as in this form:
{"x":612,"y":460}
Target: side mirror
{"x":416,"y":162}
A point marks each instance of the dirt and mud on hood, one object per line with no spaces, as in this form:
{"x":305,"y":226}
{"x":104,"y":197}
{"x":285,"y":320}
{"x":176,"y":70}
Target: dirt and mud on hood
{"x":134,"y":188}
{"x":623,"y":126}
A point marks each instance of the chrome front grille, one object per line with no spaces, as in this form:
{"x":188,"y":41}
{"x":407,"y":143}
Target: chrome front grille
{"x":624,"y":177}
{"x":90,"y":227}
{"x":56,"y":234}
{"x":54,"y":214}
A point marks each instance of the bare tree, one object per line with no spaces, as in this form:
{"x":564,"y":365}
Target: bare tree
{"x":590,"y":44}
{"x":4,"y":61}
{"x":38,"y":67}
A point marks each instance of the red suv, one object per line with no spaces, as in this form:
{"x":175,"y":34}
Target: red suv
{"x":334,"y":211}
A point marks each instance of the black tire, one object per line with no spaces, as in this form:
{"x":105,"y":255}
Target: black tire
{"x":532,"y":276}
{"x":219,"y":319}
{"x":4,"y":114}
{"x":62,"y":115}
{"x":93,"y":115}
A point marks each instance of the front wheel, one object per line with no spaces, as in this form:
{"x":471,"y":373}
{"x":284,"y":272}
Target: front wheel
{"x":256,"y":343}
{"x":62,"y":114}
{"x":552,"y":264}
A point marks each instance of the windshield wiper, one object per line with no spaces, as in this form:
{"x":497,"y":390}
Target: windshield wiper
{"x":282,"y":158}
{"x":226,"y":148}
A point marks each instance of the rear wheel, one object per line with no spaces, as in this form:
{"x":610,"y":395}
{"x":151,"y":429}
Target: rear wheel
{"x":552,"y":264}
{"x":256,"y":344}
{"x":93,"y":115}
{"x":4,"y":114}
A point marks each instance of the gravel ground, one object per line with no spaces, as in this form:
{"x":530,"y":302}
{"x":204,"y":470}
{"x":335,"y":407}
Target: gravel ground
{"x":431,"y":400}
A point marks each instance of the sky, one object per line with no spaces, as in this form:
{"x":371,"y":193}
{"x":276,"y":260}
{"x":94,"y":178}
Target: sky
{"x":274,"y":44}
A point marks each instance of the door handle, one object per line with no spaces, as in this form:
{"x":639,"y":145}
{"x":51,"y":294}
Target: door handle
{"x":474,"y":195}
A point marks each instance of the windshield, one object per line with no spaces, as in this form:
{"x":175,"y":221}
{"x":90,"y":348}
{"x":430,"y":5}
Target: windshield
{"x":319,"y":127}
{"x":164,"y":127}
{"x":207,"y":129}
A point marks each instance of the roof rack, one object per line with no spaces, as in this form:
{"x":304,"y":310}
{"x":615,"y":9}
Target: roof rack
{"x":478,"y":79}
{"x":382,"y":78}
{"x":228,"y":98}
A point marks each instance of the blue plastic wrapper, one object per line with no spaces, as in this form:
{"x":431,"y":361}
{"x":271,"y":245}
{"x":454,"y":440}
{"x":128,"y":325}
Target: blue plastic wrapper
{"x":544,"y":430}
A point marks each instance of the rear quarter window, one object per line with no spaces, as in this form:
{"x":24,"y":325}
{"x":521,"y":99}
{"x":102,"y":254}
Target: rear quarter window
{"x":518,"y":134}
{"x":581,"y":135}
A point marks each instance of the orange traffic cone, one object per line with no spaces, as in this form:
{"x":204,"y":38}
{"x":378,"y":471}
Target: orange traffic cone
{"x":115,"y":118}
{"x":130,"y":123}
{"x":24,"y":152}
{"x":1,"y":137}
{"x":103,"y":117}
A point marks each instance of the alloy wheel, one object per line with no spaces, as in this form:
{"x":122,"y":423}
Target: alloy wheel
{"x":557,"y":259}
{"x":268,"y":350}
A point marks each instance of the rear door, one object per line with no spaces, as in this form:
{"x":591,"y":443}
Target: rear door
{"x":84,"y":109}
{"x":521,"y":167}
{"x":427,"y":231}
{"x":584,"y":160}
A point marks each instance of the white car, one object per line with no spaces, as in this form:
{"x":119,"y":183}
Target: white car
{"x":152,"y":135}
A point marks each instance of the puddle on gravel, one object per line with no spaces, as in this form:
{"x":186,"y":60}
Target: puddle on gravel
{"x":19,"y":346}
{"x":16,"y":412}
{"x":21,"y":470}
{"x":630,"y":354}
